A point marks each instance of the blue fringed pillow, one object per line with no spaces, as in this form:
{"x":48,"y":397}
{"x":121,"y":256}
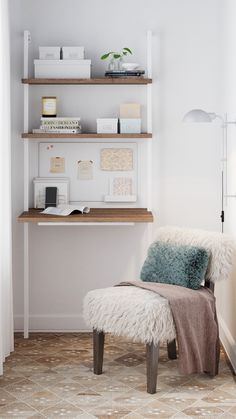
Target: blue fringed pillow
{"x":175,"y":264}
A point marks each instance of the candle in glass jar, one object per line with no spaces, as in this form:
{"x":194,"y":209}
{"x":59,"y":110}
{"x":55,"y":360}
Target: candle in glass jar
{"x":49,"y":106}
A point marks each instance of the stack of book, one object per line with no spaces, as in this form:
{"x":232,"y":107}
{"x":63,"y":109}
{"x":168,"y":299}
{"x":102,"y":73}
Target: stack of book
{"x":59,"y":125}
{"x":124,"y":73}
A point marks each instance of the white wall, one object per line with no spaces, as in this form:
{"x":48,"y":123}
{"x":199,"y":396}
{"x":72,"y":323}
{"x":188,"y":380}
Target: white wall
{"x":66,"y":262}
{"x":226,"y":292}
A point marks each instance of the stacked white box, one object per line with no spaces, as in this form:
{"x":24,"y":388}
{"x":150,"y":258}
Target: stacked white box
{"x":49,"y":53}
{"x":130,"y":125}
{"x":78,"y":69}
{"x":73,"y":53}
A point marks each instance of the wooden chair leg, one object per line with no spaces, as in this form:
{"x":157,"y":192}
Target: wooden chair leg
{"x":98,"y":349}
{"x":171,"y":349}
{"x":152,"y":352}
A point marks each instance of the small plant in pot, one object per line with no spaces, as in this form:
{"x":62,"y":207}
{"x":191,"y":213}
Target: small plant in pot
{"x":116,"y":57}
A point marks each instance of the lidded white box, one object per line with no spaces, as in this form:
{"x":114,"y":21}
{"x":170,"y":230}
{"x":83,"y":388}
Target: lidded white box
{"x":130,"y":125}
{"x":49,"y":53}
{"x":40,"y":184}
{"x":78,"y":69}
{"x":73,"y":53}
{"x":107,"y":125}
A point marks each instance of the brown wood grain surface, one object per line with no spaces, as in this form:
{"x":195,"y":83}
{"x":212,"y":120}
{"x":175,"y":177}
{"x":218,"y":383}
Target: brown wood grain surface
{"x":103,"y":81}
{"x":90,"y":135}
{"x":129,"y":215}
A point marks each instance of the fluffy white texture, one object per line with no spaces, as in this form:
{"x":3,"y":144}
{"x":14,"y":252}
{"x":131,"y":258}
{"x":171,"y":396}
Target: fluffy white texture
{"x":135,"y":313}
{"x":221,"y":247}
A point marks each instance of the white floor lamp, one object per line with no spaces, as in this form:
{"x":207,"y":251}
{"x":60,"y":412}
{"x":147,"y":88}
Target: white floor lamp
{"x":198,"y":115}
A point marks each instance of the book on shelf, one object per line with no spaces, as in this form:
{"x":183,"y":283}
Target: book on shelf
{"x":124,"y":73}
{"x":57,"y":131}
{"x":60,"y":123}
{"x":65,"y":210}
{"x":60,"y":120}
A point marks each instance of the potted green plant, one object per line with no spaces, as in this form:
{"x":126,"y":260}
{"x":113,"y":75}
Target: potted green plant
{"x":116,"y":57}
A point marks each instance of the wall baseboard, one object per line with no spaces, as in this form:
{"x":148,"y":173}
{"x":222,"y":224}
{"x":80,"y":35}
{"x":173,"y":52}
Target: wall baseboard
{"x":51,"y":323}
{"x":228,"y":342}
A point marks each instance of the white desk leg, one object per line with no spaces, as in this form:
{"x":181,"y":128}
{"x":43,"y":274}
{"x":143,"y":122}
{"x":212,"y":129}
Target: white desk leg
{"x":26,"y":280}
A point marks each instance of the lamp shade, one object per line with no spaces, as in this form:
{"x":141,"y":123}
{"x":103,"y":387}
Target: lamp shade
{"x":198,"y":115}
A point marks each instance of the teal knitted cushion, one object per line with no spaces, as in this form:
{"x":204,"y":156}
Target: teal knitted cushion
{"x":175,"y":264}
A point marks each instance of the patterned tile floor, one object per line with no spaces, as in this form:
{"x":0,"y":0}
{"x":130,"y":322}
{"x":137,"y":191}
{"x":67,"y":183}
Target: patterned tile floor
{"x":50,"y":376}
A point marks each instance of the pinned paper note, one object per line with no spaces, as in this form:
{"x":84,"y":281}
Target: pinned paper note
{"x":115,"y":159}
{"x":57,"y":165}
{"x":85,"y":169}
{"x":121,"y":186}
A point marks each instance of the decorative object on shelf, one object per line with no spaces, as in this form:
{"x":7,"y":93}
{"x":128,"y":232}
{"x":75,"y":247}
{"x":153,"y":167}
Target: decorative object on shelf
{"x":60,"y":125}
{"x":40,"y":185}
{"x":129,"y":66}
{"x":116,"y":58}
{"x":199,"y":115}
{"x":121,"y":190}
{"x":107,"y":125}
{"x":122,"y":186}
{"x":49,"y":106}
{"x":73,"y":53}
{"x":49,"y":53}
{"x":116,"y":159}
{"x":80,"y":69}
{"x":130,"y":110}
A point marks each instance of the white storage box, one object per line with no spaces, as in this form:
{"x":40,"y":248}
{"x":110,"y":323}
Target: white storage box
{"x":49,"y":53}
{"x":107,"y":125}
{"x":66,"y":69}
{"x":40,"y":184}
{"x":73,"y":53}
{"x":130,"y":126}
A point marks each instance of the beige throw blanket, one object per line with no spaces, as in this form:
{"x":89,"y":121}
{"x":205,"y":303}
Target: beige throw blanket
{"x":196,"y":325}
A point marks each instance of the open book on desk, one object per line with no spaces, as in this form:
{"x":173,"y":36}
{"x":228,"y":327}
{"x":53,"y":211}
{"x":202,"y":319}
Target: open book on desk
{"x":64,"y":210}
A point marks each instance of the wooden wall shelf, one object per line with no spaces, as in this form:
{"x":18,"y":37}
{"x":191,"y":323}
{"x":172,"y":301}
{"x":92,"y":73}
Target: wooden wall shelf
{"x":103,"y":81}
{"x":90,"y":135}
{"x":96,"y":215}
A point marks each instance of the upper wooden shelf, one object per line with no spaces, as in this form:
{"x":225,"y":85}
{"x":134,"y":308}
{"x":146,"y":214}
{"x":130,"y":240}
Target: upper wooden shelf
{"x":96,"y":215}
{"x":104,"y":80}
{"x":90,"y":135}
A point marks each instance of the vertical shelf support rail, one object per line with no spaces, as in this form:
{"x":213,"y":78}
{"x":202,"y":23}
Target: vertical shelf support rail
{"x":149,"y":130}
{"x":27,"y":39}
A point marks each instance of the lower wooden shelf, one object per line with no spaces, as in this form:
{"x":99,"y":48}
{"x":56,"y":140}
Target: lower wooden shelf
{"x":88,"y":135}
{"x":96,"y":215}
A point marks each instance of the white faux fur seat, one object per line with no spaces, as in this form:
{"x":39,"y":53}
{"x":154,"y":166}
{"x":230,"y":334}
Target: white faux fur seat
{"x":132,"y":312}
